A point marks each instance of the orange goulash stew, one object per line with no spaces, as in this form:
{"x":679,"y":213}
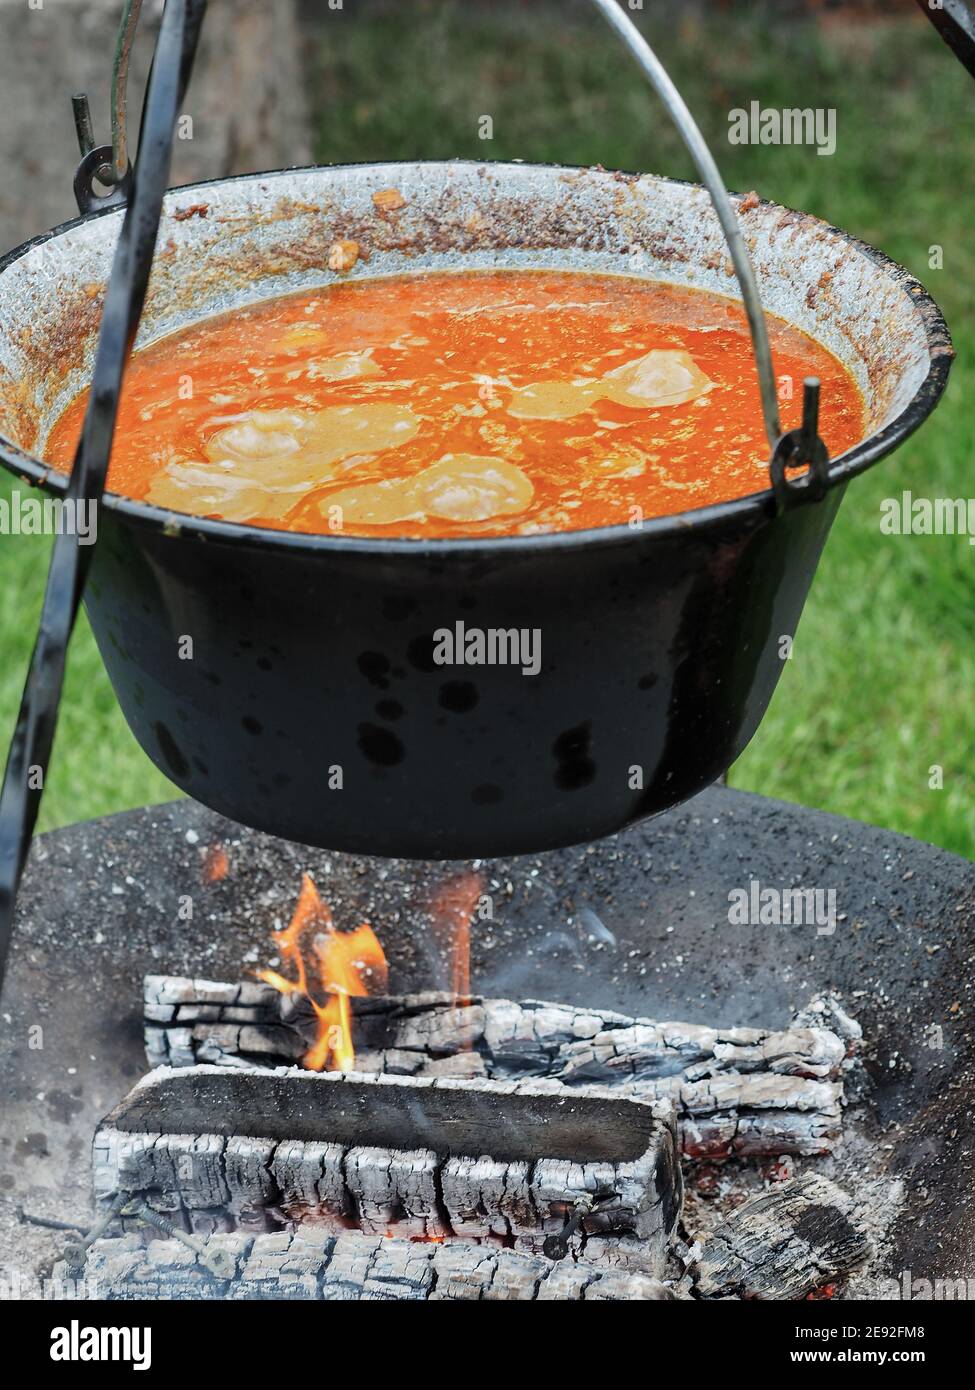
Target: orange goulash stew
{"x":484,"y":403}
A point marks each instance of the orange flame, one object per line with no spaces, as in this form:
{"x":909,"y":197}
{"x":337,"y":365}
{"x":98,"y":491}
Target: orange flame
{"x":453,"y":911}
{"x":342,"y":963}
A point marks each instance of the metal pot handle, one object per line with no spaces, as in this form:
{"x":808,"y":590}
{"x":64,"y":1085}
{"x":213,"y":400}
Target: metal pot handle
{"x":698,"y":149}
{"x":110,"y":165}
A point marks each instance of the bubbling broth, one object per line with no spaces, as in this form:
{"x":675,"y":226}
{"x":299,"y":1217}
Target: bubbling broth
{"x":479,"y":403}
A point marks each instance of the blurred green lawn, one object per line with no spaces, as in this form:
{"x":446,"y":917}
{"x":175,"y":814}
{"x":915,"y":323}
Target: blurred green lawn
{"x":882,"y":681}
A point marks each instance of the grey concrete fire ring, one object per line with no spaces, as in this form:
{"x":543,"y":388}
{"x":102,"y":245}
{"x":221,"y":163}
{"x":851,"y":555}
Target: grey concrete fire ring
{"x":101,"y":906}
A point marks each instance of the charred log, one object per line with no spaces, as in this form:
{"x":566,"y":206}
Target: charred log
{"x":420,"y":1157}
{"x":794,"y":1239}
{"x":353,"y":1268}
{"x":741,"y":1091}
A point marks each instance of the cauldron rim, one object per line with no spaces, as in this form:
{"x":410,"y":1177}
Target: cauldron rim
{"x":742,"y":510}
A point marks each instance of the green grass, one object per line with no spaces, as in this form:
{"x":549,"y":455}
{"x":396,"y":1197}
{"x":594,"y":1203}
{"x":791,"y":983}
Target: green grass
{"x":97,"y":765}
{"x":880,"y":687}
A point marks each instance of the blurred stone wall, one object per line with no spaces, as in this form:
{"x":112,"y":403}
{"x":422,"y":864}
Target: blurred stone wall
{"x":246,"y":99}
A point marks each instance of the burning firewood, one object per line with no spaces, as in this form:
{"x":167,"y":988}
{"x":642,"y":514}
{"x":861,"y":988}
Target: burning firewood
{"x":350,"y":1268}
{"x":742,"y":1091}
{"x":216,"y":1150}
{"x":799,"y":1236}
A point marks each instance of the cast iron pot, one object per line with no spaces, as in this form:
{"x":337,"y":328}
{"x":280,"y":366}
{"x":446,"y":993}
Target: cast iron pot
{"x":311,"y":705}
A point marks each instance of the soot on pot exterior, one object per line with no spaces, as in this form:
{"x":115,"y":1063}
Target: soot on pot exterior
{"x":312,"y":705}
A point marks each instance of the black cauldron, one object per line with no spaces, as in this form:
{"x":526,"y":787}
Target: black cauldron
{"x":312,"y":701}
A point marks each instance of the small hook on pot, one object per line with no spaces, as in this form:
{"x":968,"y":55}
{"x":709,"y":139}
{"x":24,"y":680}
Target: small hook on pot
{"x":801,"y":448}
{"x":109,"y":164}
{"x":95,"y":164}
